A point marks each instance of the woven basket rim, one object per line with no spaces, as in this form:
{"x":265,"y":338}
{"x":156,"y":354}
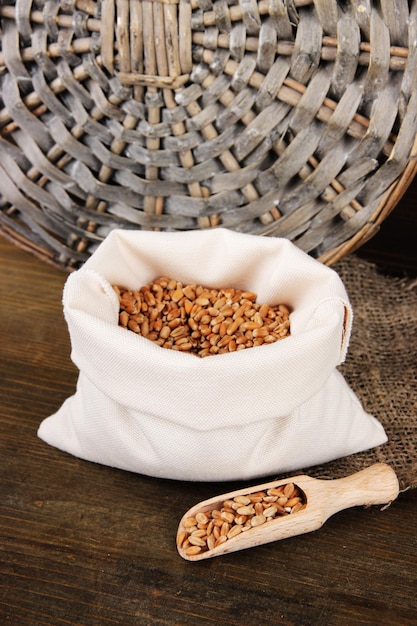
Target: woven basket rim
{"x":290,"y":118}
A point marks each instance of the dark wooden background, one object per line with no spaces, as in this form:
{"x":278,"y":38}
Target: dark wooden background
{"x":82,"y":544}
{"x":394,"y":247}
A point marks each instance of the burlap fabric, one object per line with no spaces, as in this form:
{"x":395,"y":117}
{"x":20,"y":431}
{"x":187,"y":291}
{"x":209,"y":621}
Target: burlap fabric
{"x":381,"y":367}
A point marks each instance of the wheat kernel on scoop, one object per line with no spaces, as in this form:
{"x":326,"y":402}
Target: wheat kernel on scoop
{"x":193,"y":550}
{"x":190,"y":521}
{"x":289,"y":490}
{"x":259,"y":509}
{"x":211,"y":542}
{"x":227,"y":516}
{"x":242,"y":500}
{"x":270,"y":498}
{"x":293,"y":501}
{"x":201,"y":518}
{"x":245,"y":510}
{"x":196,"y":541}
{"x":234,"y":531}
{"x":220,"y":540}
{"x":270,"y":511}
{"x":258,"y":496}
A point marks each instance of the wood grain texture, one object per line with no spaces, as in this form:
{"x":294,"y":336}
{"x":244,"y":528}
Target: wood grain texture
{"x":86,"y":545}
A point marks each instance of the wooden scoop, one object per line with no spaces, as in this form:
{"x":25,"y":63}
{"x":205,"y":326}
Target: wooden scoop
{"x":317,"y":501}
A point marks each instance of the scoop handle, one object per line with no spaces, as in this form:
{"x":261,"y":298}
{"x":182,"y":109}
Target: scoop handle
{"x":376,"y":484}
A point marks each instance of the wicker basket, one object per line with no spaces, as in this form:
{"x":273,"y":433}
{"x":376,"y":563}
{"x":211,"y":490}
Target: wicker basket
{"x":289,"y":118}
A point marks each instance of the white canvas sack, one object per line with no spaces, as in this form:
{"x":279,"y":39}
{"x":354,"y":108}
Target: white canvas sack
{"x":251,"y":413}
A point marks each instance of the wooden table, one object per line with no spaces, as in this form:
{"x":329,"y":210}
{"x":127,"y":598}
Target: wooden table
{"x":83,"y":544}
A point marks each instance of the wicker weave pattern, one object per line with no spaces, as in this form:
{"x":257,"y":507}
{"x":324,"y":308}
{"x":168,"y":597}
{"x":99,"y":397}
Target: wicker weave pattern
{"x":292,"y":118}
